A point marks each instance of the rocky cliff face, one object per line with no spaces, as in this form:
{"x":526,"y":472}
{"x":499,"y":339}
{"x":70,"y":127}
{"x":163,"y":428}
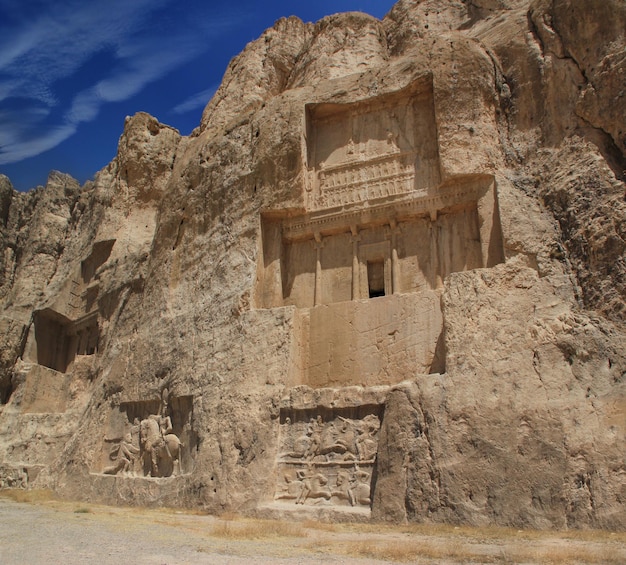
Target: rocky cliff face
{"x":384,"y":278}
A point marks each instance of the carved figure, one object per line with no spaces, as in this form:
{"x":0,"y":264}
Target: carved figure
{"x":313,"y":486}
{"x":366,"y":443}
{"x":159,"y":447}
{"x":157,"y":440}
{"x":124,"y":455}
{"x":339,"y":440}
{"x":314,"y":431}
{"x":293,"y":485}
{"x":300,"y":446}
{"x":343,"y":488}
{"x":360,"y":487}
{"x":392,"y":140}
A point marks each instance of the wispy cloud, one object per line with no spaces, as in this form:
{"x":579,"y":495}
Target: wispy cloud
{"x":196,"y":101}
{"x":37,"y":54}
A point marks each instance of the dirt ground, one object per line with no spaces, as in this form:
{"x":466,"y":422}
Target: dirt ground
{"x":43,"y":530}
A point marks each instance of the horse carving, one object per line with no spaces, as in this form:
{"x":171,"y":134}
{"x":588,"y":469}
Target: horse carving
{"x":161,"y":452}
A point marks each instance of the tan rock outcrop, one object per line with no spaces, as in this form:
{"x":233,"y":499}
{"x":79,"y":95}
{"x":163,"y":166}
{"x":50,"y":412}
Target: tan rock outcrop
{"x":383,"y":279}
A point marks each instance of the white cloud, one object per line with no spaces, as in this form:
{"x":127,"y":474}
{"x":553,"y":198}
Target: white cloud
{"x":198,"y":100}
{"x":37,"y":53}
{"x":13,"y":150}
{"x":85,"y":107}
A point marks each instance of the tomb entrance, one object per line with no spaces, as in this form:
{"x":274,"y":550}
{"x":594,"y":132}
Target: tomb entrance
{"x":56,"y":340}
{"x":365,"y":261}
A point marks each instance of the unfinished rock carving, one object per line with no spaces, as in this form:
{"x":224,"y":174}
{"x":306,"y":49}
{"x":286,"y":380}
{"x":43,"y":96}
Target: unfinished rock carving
{"x":383,"y":279}
{"x":11,"y":477}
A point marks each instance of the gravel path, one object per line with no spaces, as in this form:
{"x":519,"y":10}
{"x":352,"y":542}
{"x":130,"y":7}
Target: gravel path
{"x":73,"y":533}
{"x":76,"y":534}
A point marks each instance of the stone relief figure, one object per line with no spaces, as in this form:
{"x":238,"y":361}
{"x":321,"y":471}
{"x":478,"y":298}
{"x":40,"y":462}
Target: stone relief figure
{"x":313,"y":486}
{"x":343,"y":488}
{"x":124,"y":456}
{"x":314,"y":431}
{"x":360,"y":487}
{"x":366,"y":442}
{"x":158,"y":442}
{"x":300,"y":446}
{"x":392,"y":141}
{"x":327,"y":462}
{"x":339,"y":440}
{"x":292,"y":486}
{"x":13,"y":478}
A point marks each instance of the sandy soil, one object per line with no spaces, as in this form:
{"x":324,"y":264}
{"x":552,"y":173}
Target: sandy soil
{"x":75,"y":533}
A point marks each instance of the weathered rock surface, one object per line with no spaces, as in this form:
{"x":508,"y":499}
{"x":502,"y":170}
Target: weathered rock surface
{"x":384,"y":278}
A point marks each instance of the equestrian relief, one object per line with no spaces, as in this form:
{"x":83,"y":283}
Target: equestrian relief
{"x":327,"y":462}
{"x":149,"y":448}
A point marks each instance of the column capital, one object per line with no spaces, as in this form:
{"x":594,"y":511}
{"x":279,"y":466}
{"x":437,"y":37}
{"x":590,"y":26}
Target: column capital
{"x":318,"y":243}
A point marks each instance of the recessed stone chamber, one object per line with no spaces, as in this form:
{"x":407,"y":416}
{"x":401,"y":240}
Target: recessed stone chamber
{"x":364,"y":264}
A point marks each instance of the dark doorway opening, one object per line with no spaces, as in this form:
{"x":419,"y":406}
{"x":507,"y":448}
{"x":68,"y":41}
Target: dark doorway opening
{"x":376,"y":278}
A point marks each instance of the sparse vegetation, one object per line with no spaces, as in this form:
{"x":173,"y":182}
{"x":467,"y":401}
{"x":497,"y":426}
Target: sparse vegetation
{"x":31,"y":495}
{"x":412,"y":543}
{"x":245,"y":528}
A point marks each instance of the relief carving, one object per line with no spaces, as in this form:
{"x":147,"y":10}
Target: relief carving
{"x":327,"y":462}
{"x":379,"y":148}
{"x":12,"y":477}
{"x":149,"y":447}
{"x":124,"y":455}
{"x":359,"y":182}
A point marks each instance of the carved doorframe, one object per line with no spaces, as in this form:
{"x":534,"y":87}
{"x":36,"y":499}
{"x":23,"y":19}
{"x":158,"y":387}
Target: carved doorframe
{"x":372,"y":252}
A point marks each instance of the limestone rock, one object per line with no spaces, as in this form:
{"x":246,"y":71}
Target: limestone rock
{"x":383,"y":279}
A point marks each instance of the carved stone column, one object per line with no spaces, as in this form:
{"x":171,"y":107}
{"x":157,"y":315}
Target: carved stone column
{"x":318,"y":269}
{"x":356,"y":294}
{"x":395,"y":267}
{"x":437,"y":281}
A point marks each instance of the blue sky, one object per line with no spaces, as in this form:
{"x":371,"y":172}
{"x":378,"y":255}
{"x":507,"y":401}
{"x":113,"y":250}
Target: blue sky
{"x":72,"y":70}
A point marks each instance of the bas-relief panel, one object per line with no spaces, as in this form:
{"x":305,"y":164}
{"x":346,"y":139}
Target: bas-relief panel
{"x":13,"y":477}
{"x":327,"y":457}
{"x":363,"y":152}
{"x":149,"y":438}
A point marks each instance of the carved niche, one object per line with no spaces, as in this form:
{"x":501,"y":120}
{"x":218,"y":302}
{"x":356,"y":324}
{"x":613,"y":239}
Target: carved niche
{"x":327,"y":456}
{"x":153,"y":438}
{"x":70,"y":328}
{"x":56,"y":340}
{"x":372,"y":149}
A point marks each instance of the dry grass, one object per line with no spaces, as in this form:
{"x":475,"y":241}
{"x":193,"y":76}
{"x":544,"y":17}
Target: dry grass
{"x":564,"y":555}
{"x":508,"y":534}
{"x":477,"y":534}
{"x":319,"y":526}
{"x":407,"y":550}
{"x":414,"y":543}
{"x":455,"y":551}
{"x":33,"y":496}
{"x":243,"y":528}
